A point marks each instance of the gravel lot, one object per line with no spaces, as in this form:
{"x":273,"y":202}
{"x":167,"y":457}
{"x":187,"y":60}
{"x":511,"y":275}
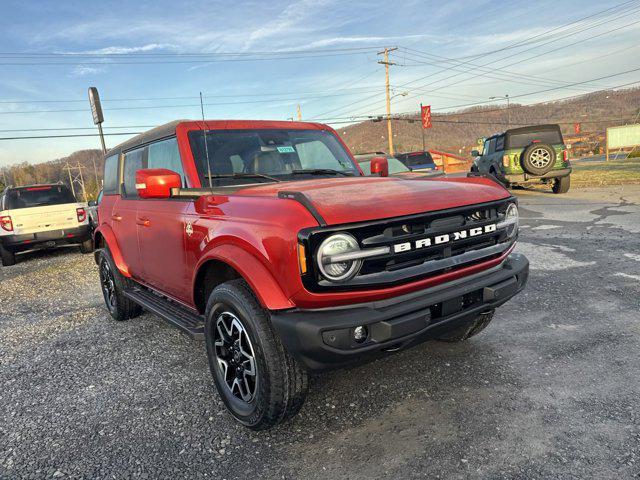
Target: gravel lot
{"x":549,"y":390}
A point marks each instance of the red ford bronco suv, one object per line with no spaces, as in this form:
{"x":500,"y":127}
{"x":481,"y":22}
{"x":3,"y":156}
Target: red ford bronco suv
{"x":266,"y":239}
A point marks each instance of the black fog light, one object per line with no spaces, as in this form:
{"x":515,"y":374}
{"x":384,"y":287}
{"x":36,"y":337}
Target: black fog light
{"x":360,"y":333}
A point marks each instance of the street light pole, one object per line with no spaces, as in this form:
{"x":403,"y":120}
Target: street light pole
{"x":508,"y":111}
{"x":508,"y":108}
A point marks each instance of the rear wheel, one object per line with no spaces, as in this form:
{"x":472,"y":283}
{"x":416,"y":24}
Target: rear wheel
{"x":538,"y":159}
{"x":8,"y":258}
{"x":468,"y":329}
{"x":562,"y":185}
{"x":258,"y":381}
{"x":113,"y":284}
{"x":86,"y":246}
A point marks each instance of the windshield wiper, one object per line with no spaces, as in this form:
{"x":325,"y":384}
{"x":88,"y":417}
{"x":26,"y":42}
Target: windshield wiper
{"x":320,"y":171}
{"x":243,"y":175}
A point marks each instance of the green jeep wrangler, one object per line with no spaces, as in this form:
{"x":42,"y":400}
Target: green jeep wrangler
{"x":526,"y":155}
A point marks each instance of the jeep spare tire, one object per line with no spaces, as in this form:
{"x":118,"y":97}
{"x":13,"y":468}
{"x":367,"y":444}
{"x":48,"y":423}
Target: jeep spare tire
{"x":538,"y":159}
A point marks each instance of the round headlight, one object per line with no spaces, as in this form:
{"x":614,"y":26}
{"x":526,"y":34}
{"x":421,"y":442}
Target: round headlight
{"x":331,"y":262}
{"x":511,"y":219}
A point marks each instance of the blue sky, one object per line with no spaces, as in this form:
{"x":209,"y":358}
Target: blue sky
{"x":331,"y":84}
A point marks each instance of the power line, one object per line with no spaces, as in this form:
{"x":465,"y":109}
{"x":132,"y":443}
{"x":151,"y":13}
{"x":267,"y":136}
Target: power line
{"x":445,"y":69}
{"x":146,"y":107}
{"x":518,"y":62}
{"x":196,"y":54}
{"x":192,"y":97}
{"x":189,"y":61}
{"x":68,"y":136}
{"x":478,"y":112}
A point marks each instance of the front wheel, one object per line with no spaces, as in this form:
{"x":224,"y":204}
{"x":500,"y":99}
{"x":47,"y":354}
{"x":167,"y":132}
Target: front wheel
{"x":258,"y":381}
{"x":562,"y":185}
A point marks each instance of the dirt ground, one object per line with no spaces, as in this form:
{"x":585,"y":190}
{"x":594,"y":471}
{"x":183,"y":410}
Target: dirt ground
{"x":549,"y":390}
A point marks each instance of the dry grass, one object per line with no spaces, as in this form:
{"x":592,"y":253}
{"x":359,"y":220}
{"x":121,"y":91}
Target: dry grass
{"x":615,"y":172}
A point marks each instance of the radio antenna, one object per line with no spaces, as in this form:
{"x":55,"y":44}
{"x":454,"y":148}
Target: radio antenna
{"x":206,"y":144}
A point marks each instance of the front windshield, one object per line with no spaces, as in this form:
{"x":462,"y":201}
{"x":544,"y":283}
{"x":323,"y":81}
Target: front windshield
{"x":268,"y":155}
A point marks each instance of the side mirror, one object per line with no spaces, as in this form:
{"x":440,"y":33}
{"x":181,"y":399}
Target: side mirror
{"x":92,"y":203}
{"x":380,"y":166}
{"x":475,"y":153}
{"x":156,"y":182}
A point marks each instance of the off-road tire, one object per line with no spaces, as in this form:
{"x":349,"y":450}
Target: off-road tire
{"x":86,"y":246}
{"x":8,"y":258}
{"x":120,"y":308}
{"x":536,"y":153}
{"x":468,"y":329}
{"x":562,"y":184}
{"x":281,"y":385}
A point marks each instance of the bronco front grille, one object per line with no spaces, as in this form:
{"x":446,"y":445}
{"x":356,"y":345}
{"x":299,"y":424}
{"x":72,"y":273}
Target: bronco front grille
{"x":417,"y":246}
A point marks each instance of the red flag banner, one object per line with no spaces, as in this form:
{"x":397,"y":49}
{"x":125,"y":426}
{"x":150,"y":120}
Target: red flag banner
{"x":426,"y":116}
{"x":577,"y":127}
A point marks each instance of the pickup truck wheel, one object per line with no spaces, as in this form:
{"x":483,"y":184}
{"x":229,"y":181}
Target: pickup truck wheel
{"x":468,"y":329}
{"x":257,"y":379}
{"x":86,"y":246}
{"x":8,"y":258}
{"x":113,"y":283}
{"x":562,"y":185}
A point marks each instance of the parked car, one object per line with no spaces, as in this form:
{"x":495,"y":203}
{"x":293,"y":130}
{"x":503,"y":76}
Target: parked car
{"x":41,"y":216}
{"x":421,"y":160}
{"x":534,"y":154}
{"x":394,"y":167}
{"x":92,"y":211}
{"x":265,"y":238}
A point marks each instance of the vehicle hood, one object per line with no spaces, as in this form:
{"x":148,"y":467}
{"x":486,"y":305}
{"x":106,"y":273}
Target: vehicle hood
{"x":360,"y":199}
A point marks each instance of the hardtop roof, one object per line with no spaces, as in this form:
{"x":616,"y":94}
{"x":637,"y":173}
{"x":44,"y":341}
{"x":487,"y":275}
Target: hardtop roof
{"x":527,"y":129}
{"x":169,"y":130}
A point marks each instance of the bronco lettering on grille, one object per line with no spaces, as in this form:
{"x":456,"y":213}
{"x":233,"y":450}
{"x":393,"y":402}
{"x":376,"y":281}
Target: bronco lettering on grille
{"x":443,"y":239}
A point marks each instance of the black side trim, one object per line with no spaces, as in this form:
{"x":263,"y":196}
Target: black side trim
{"x":302,"y":199}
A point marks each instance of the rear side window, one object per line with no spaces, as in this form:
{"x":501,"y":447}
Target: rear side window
{"x":133,"y":161}
{"x":38,"y":196}
{"x":522,"y":140}
{"x":110,"y":185}
{"x":500,"y":144}
{"x":165,"y":154}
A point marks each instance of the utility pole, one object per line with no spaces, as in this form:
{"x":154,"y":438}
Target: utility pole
{"x":386,"y":64}
{"x":299,"y":114}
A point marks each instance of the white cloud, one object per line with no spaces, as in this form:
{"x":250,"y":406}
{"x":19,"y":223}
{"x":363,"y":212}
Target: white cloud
{"x":83,"y":70}
{"x":140,"y":49}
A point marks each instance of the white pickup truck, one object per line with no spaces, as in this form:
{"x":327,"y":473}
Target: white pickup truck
{"x":41,"y":216}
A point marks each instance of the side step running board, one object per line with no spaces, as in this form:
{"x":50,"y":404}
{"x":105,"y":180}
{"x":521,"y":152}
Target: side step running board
{"x":173,"y":313}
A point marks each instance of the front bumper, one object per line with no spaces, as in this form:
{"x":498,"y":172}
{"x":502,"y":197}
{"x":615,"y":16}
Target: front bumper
{"x":33,"y":241}
{"x":322,"y":339}
{"x":527,"y":177}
